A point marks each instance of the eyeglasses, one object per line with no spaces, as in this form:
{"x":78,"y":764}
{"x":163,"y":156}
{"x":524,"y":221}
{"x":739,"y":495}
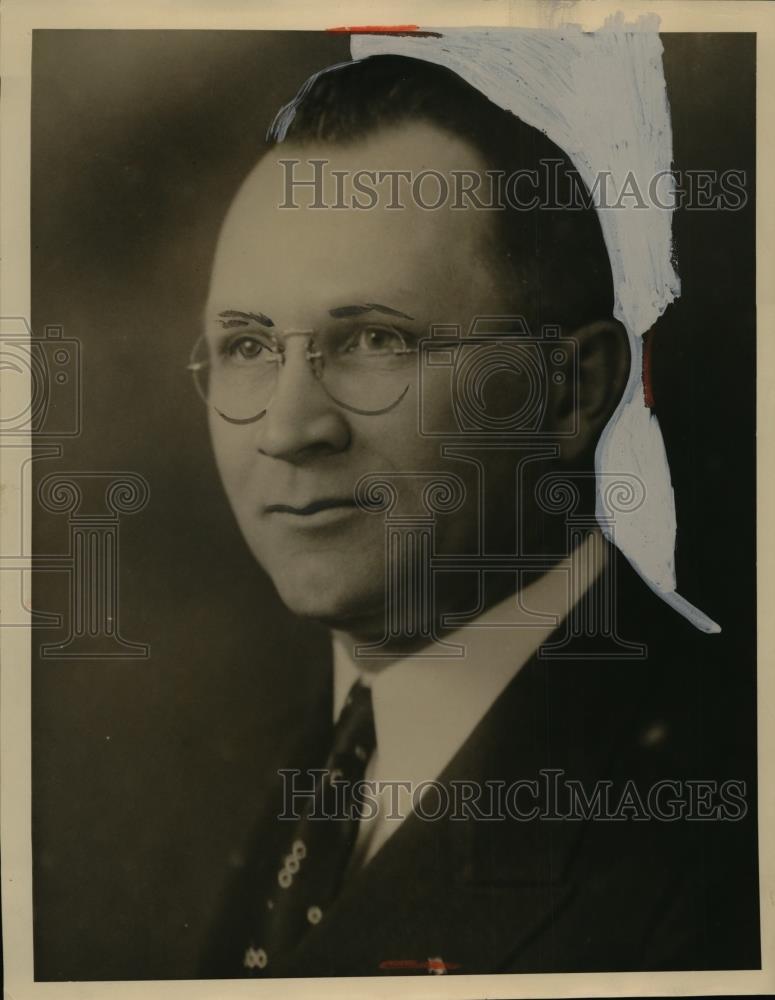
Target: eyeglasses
{"x":366,"y":368}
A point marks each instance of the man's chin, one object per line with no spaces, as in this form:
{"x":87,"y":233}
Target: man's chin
{"x":324,"y":599}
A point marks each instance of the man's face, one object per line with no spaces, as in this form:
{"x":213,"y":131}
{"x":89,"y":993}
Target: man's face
{"x":296,"y":266}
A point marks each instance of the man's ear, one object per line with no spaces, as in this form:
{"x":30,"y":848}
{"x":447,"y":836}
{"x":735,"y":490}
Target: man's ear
{"x":582,"y":404}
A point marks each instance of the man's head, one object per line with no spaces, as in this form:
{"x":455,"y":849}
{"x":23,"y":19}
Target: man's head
{"x":374,"y":282}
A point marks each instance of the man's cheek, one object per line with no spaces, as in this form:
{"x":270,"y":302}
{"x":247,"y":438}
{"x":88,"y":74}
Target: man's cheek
{"x":235,"y":464}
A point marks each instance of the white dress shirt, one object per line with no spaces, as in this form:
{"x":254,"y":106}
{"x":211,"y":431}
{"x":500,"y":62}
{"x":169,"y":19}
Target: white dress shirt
{"x":425,"y":709}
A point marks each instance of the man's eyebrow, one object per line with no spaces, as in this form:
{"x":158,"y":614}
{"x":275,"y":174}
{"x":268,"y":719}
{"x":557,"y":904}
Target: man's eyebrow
{"x":234,"y":317}
{"x":343,"y":311}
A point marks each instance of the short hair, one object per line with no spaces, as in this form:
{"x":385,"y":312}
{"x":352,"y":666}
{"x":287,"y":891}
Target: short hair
{"x":555,"y":254}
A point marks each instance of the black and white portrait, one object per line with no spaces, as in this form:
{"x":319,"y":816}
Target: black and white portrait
{"x":391,"y":501}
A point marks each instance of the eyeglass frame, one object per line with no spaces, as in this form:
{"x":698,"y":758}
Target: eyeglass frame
{"x":278,"y":354}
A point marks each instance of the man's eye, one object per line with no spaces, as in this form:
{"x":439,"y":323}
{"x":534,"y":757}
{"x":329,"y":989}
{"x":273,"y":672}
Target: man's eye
{"x":243,"y":349}
{"x":378,"y":340}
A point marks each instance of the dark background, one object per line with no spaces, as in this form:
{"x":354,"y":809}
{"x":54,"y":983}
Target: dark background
{"x":143,"y":787}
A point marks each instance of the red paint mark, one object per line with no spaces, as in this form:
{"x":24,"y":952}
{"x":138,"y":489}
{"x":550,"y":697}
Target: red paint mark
{"x":385,"y":29}
{"x":435,"y":963}
{"x":648,"y":386}
{"x":431,"y":965}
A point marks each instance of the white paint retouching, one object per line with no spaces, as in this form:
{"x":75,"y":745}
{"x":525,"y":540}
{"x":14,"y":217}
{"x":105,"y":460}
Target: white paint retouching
{"x":601,"y":97}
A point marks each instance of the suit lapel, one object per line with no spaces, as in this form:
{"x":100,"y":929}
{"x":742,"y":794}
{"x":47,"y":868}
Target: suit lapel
{"x":413,"y":903}
{"x":470,"y":892}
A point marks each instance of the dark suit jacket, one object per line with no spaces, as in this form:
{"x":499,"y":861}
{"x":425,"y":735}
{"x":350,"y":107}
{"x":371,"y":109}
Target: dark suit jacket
{"x":551,"y":895}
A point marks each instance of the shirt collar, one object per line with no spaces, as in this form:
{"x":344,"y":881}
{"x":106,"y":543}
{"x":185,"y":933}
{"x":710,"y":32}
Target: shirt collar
{"x":425,"y":708}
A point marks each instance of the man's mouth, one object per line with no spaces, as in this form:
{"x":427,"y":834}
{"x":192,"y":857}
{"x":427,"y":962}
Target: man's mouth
{"x":314,"y":507}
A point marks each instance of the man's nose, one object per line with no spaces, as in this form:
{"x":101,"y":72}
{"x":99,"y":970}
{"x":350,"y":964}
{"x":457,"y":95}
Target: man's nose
{"x":301,"y":420}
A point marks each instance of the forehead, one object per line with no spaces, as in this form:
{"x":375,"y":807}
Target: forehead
{"x":288,"y":258}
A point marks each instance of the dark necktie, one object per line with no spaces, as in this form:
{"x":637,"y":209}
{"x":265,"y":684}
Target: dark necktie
{"x":310,"y":872}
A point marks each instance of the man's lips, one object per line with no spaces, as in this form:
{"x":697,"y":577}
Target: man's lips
{"x":310,"y":508}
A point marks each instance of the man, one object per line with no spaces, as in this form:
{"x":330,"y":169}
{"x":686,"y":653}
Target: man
{"x":314,"y":370}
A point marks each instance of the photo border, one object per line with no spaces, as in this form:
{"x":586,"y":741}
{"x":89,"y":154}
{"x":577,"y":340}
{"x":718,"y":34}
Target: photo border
{"x":19,"y":19}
